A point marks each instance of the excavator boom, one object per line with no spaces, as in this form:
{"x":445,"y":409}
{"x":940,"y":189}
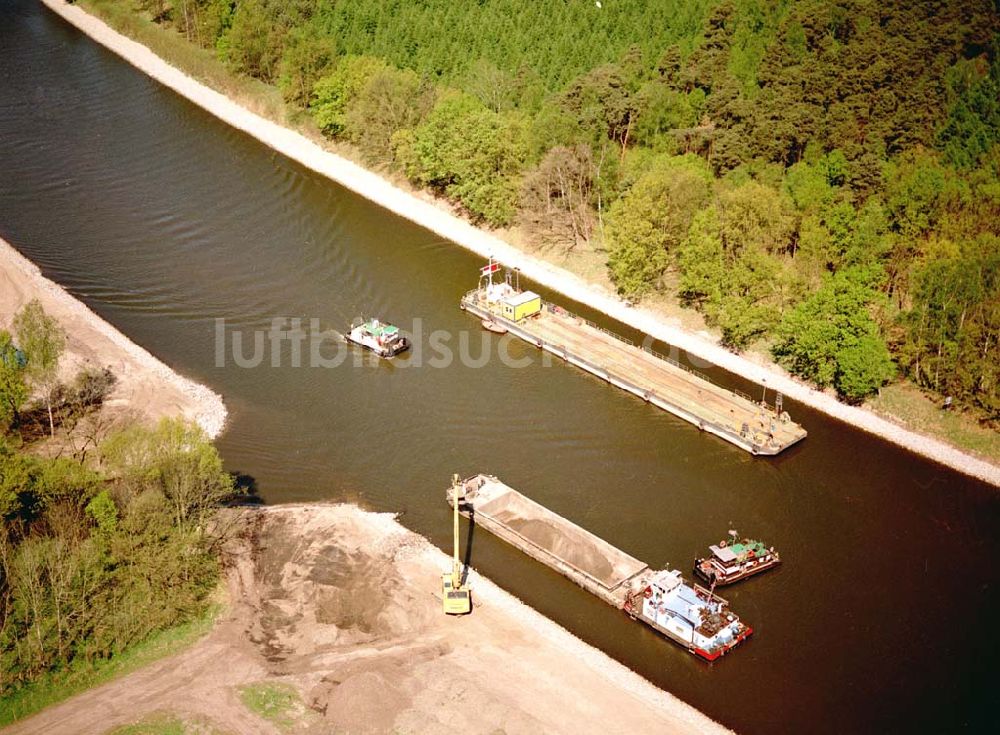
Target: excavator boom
{"x":455,"y":598}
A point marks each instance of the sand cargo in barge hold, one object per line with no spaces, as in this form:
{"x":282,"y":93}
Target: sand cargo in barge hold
{"x":755,"y":426}
{"x":690,"y":616}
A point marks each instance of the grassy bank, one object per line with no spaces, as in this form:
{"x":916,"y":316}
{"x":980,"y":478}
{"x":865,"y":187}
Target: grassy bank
{"x":907,"y":405}
{"x":61,"y":685}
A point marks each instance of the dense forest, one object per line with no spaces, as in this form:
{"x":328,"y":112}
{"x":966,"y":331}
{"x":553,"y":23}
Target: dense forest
{"x":818,"y":178}
{"x":106,"y":531}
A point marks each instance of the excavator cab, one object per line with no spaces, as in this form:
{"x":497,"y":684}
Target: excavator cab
{"x":456,"y":600}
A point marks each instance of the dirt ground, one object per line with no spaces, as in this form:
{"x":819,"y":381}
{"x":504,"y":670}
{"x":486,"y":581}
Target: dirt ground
{"x":345,"y":606}
{"x":146,"y":387}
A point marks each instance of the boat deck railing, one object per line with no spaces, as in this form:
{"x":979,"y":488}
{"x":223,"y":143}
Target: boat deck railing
{"x":762,"y":402}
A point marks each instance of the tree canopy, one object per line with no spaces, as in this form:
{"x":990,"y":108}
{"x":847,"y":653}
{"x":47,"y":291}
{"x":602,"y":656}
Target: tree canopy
{"x":13,"y":386}
{"x":833,"y":339}
{"x":94,"y":559}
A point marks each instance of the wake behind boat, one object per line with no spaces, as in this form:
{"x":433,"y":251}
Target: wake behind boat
{"x":385,"y":340}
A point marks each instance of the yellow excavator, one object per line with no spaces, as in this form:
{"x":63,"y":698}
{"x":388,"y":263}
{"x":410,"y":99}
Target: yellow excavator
{"x":456,"y":599}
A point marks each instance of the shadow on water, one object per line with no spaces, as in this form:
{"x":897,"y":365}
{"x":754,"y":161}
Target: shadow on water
{"x":245,"y":490}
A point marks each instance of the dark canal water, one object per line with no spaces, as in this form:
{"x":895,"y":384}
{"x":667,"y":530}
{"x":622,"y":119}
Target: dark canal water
{"x":884,"y":617}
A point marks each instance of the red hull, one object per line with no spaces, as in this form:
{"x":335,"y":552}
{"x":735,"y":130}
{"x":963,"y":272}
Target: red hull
{"x":722,"y":580}
{"x":723,"y":651}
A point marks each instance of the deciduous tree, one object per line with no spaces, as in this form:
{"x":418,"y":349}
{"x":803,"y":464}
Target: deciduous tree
{"x":470,"y":153}
{"x":831,"y":338}
{"x":557,"y":200}
{"x":43,"y":341}
{"x":650,"y":220}
{"x":389,"y":101}
{"x":334,"y":94}
{"x":175,"y":459}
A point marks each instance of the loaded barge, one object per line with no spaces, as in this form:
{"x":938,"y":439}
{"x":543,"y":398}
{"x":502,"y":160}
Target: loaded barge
{"x":691,"y":616}
{"x":755,"y":426}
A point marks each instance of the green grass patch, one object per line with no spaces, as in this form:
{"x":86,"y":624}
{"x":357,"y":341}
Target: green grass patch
{"x":61,"y":685}
{"x":155,"y":725}
{"x":276,"y":702}
{"x":159,"y":724}
{"x":163,"y":723}
{"x":909,"y":406}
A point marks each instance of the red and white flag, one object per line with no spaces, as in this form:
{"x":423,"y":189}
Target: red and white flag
{"x":491,"y":268}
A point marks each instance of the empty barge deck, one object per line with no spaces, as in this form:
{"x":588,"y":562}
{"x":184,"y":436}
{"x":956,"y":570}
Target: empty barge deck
{"x":754,"y":426}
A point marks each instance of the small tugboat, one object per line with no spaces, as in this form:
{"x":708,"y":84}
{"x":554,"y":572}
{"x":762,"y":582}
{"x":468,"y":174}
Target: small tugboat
{"x":384,"y":340}
{"x":735,"y":559}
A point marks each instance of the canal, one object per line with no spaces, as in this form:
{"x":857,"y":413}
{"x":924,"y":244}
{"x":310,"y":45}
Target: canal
{"x":165,"y":221}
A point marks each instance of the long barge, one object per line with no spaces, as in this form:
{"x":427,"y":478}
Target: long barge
{"x":755,"y":426}
{"x":691,"y":616}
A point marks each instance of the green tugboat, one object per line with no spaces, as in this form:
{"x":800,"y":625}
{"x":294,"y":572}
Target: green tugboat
{"x":385,"y":340}
{"x":735,"y":559}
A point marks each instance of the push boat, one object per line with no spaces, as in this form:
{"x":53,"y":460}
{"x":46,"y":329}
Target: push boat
{"x":385,"y":340}
{"x":690,"y":615}
{"x":736,"y":559}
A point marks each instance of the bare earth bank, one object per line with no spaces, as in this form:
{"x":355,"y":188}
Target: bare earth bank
{"x":145,"y":385}
{"x":344,"y":605}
